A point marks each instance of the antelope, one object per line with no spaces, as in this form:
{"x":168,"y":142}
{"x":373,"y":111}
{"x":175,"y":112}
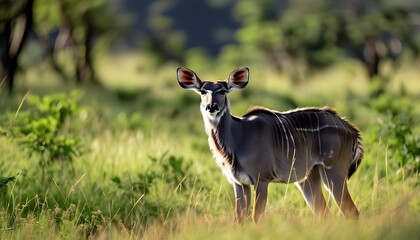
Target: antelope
{"x":304,"y":146}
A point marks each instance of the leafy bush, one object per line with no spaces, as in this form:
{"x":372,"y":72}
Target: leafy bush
{"x":165,"y":186}
{"x":396,"y":128}
{"x":3,"y":185}
{"x":45,"y":128}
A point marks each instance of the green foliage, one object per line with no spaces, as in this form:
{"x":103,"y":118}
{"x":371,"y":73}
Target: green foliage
{"x":47,"y":15}
{"x":45,"y":128}
{"x":125,"y":187}
{"x":159,"y":51}
{"x":302,"y":37}
{"x":132,"y":122}
{"x":3,"y":185}
{"x":9,"y":9}
{"x":396,"y":127}
{"x":163,"y":188}
{"x":372,"y":24}
{"x":198,"y":59}
{"x":232,"y":56}
{"x":307,"y":36}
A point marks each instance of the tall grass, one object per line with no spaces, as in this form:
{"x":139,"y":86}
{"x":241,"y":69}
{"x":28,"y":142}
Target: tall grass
{"x":147,"y":171}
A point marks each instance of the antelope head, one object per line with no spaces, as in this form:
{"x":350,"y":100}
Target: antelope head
{"x":214,"y":102}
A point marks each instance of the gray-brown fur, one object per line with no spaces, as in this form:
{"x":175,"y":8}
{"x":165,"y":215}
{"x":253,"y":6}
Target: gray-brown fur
{"x":302,"y":146}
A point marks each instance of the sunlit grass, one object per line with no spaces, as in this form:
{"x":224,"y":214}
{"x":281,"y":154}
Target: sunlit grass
{"x":170,"y":122}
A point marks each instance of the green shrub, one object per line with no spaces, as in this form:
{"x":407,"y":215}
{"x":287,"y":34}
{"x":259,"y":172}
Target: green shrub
{"x":164,"y":187}
{"x":3,"y":185}
{"x":45,"y":128}
{"x":396,"y":127}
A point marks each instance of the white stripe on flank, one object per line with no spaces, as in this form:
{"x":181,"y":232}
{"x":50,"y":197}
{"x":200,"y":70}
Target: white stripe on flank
{"x":285,"y":133}
{"x":315,"y":129}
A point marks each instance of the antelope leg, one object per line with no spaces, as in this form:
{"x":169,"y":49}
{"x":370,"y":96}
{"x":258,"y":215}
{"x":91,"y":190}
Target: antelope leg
{"x":312,"y":192}
{"x":337,"y":185}
{"x":242,"y":201}
{"x":260,"y":199}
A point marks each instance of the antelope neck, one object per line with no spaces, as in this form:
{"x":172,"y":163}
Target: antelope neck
{"x":220,"y":133}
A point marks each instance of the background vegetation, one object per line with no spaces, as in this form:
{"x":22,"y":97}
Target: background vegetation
{"x":97,"y":140}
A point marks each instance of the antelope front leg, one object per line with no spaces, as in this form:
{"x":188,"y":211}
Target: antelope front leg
{"x":242,"y":201}
{"x":260,"y":199}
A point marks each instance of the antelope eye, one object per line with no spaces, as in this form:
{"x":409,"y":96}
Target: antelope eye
{"x":222,"y":92}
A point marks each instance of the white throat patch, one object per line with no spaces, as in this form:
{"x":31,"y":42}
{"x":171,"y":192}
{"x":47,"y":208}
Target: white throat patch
{"x":212,"y":118}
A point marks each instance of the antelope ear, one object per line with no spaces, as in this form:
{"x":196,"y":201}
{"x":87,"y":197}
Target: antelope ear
{"x":187,"y":79}
{"x":239,"y":78}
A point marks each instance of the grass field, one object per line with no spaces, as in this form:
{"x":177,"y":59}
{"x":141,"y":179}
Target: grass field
{"x":145,"y":170}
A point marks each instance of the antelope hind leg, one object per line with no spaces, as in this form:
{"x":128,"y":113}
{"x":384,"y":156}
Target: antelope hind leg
{"x":312,"y":192}
{"x":336,"y":183}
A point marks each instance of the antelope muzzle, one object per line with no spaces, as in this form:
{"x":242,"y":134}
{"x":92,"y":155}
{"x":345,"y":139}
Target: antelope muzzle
{"x":212,"y":108}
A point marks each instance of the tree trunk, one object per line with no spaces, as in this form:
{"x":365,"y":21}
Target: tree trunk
{"x":373,"y":53}
{"x":43,"y":38}
{"x":371,"y":58}
{"x":22,"y":27}
{"x":5,"y":46}
{"x":89,"y":73}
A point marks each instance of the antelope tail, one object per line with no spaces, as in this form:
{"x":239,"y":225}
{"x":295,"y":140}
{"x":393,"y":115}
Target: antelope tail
{"x":357,"y":156}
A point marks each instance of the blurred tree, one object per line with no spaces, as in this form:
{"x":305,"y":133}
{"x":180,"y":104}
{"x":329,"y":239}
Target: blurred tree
{"x":300,"y":36}
{"x":377,"y":36}
{"x":164,"y":43}
{"x":80,"y":24}
{"x":47,"y":20}
{"x":73,"y":25}
{"x":15,"y":23}
{"x":309,"y":36}
{"x":294,"y":39}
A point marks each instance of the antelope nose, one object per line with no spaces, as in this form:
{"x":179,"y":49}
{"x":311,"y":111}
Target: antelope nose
{"x":213,"y":107}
